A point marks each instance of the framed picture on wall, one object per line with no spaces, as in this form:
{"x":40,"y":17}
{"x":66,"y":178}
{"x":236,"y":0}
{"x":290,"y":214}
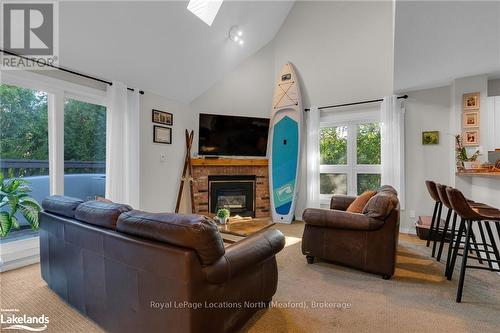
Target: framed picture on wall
{"x":471,"y":137}
{"x":430,"y":138}
{"x":162,"y":134}
{"x":471,"y":101}
{"x":471,"y":119}
{"x":162,"y":117}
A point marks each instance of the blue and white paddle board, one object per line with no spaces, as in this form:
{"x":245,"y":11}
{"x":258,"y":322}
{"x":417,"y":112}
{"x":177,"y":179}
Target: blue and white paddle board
{"x":284,"y":141}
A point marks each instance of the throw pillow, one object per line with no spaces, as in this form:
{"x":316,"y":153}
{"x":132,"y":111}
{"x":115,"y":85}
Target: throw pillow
{"x":360,"y":202}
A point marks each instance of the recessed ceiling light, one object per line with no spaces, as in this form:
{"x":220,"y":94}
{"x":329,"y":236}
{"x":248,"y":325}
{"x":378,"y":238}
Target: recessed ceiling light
{"x":206,"y":10}
{"x":235,"y":35}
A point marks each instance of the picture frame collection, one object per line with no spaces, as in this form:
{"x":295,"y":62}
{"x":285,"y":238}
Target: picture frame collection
{"x":162,"y":134}
{"x":471,"y":119}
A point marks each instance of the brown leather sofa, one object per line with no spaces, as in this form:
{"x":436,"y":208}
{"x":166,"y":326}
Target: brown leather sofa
{"x":132,"y":271}
{"x":366,"y":241}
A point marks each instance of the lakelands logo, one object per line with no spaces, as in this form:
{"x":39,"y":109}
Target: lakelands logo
{"x":11,"y":319}
{"x":29,"y":29}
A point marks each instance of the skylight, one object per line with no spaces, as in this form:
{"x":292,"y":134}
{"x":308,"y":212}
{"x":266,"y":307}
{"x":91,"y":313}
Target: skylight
{"x":206,"y":10}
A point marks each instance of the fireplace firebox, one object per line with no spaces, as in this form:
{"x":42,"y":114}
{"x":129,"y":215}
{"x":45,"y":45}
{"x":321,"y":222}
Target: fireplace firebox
{"x":236,"y":193}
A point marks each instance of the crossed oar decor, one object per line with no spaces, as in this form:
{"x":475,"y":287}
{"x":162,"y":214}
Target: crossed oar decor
{"x":187,"y":173}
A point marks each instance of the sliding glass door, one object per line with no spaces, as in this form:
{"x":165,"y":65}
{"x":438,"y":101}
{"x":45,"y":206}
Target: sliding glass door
{"x":52,"y":134}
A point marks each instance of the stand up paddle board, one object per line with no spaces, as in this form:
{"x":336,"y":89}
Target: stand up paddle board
{"x":285,"y":136}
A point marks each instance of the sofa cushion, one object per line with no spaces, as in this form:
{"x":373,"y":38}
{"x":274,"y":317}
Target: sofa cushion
{"x":380,"y":205}
{"x":61,"y":205}
{"x":360,"y":202}
{"x":102,"y":214}
{"x":191,"y":231}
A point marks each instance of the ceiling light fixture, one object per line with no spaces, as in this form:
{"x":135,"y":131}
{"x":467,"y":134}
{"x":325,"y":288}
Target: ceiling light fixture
{"x":235,"y":34}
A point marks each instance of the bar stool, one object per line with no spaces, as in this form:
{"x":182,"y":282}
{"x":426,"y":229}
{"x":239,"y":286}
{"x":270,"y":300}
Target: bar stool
{"x":436,"y":215}
{"x":441,"y":189}
{"x":471,"y":216}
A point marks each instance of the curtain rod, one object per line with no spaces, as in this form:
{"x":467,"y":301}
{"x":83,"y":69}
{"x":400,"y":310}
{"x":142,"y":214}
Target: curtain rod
{"x":66,"y":70}
{"x":355,"y":103}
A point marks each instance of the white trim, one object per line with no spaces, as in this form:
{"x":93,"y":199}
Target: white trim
{"x":56,"y":142}
{"x":15,"y":254}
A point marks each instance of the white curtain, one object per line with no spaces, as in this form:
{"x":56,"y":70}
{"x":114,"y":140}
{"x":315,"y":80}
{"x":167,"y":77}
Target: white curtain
{"x":313,"y":160}
{"x":122,"y":145}
{"x":393,"y":145}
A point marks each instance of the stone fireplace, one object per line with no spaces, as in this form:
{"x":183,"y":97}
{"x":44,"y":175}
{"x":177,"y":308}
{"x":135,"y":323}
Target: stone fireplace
{"x":242,"y":185}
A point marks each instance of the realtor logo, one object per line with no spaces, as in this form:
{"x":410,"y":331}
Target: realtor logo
{"x":29,"y":29}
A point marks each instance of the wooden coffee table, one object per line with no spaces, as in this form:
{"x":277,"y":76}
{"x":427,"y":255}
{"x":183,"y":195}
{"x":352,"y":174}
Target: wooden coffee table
{"x":243,"y":228}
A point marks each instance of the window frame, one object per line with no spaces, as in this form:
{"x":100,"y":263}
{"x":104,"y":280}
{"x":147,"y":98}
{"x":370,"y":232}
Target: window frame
{"x":57,"y":91}
{"x":351,"y":119}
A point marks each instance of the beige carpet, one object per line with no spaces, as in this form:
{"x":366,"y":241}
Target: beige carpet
{"x":417,"y":299}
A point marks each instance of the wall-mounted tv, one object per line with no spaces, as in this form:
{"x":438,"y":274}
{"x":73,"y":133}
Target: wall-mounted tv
{"x":221,"y":135}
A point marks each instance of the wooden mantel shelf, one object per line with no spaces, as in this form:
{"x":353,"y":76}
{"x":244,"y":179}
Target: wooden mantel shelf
{"x":229,"y":162}
{"x":479,"y":174}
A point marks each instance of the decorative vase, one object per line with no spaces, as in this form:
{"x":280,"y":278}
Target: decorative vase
{"x":471,"y":165}
{"x":222,"y":220}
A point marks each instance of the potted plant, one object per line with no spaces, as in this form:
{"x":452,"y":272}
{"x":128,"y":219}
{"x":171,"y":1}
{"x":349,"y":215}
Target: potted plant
{"x":223,"y":215}
{"x":14,"y":198}
{"x":463,"y":160}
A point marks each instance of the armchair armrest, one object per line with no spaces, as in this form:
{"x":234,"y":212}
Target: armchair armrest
{"x":245,"y":254}
{"x":340,"y":220}
{"x":341,"y":202}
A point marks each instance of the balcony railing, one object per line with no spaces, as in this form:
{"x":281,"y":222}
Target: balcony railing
{"x":27,"y":168}
{"x":82,"y":179}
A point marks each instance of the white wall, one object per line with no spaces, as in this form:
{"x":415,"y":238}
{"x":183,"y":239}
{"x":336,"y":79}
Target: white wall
{"x":426,"y":110}
{"x":494,"y":87}
{"x":439,"y":41}
{"x":342,"y":52}
{"x":160,"y":180}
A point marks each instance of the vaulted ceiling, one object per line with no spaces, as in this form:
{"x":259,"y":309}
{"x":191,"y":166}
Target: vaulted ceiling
{"x":438,"y":41}
{"x":160,"y":46}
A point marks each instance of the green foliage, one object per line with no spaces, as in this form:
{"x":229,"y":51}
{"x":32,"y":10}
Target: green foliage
{"x":369,"y":144}
{"x":84,"y":131}
{"x":333,"y":145}
{"x":24,"y":124}
{"x":14,"y":198}
{"x":223,"y":213}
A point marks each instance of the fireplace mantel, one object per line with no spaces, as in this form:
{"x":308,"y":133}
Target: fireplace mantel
{"x":228,"y":162}
{"x":205,"y":167}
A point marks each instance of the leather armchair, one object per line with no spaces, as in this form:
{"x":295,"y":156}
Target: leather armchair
{"x":365,"y":241}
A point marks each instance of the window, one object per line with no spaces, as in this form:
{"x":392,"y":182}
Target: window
{"x":84,"y":149}
{"x":350,"y":155}
{"x":205,"y":10}
{"x":24,"y":149}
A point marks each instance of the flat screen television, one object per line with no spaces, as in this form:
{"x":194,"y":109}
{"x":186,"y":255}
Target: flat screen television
{"x":232,"y":136}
